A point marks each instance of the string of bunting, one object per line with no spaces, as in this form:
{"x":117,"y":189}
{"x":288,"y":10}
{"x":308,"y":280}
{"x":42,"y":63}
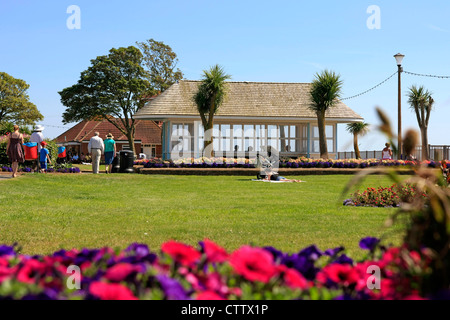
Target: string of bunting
{"x":360,"y":94}
{"x":426,"y":75}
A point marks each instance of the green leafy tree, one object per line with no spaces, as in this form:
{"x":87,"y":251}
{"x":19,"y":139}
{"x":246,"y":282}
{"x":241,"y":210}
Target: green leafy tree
{"x":325,"y":92}
{"x":114,"y":88}
{"x":15,"y":104}
{"x":210,"y":95}
{"x":421,"y":102}
{"x":160,"y":63}
{"x":357,"y":129}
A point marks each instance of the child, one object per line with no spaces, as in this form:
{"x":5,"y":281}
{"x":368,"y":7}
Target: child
{"x":43,"y":157}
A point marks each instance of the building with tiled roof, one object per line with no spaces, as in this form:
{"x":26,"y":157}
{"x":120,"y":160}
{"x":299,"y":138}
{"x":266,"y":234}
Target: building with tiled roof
{"x":147,"y":136}
{"x":253,"y":115}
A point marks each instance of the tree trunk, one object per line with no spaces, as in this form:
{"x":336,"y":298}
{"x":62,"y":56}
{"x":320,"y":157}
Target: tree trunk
{"x":355,"y":146}
{"x":322,"y":136}
{"x":130,"y":137}
{"x":208,"y":140}
{"x":424,"y":134}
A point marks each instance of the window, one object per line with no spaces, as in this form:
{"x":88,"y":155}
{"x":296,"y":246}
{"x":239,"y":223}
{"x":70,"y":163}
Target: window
{"x":329,"y":133}
{"x":182,"y":137}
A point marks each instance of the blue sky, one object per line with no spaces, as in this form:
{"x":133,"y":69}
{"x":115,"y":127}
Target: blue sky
{"x":282,"y":41}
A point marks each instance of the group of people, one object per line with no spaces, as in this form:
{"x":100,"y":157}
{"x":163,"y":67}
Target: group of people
{"x":97,"y":146}
{"x":14,"y":149}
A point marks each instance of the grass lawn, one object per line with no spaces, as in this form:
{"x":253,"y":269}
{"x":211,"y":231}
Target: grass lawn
{"x":44,"y":213}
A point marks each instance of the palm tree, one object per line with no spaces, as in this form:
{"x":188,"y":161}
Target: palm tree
{"x":421,"y":102}
{"x":325,"y":92}
{"x":210,"y":95}
{"x":357,"y":129}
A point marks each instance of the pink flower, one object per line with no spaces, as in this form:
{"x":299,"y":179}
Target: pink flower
{"x":111,"y":291}
{"x":342,"y":274}
{"x":214,"y":252}
{"x":119,"y":272}
{"x":180,"y":252}
{"x":209,"y":295}
{"x":254,"y":264}
{"x":293,"y":278}
{"x":30,"y":271}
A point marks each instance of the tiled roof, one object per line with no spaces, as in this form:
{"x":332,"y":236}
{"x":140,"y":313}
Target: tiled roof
{"x":244,"y":99}
{"x":146,"y":130}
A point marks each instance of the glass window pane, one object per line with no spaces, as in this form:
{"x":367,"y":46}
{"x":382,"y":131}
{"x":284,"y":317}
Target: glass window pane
{"x":225,"y":130}
{"x":329,"y":131}
{"x":293,"y":133}
{"x":226,"y":144}
{"x":292,"y":146}
{"x":330,"y":145}
{"x":216,"y":131}
{"x":284,"y":132}
{"x":316,"y":146}
{"x":272,"y":131}
{"x":237,"y":130}
{"x":315,"y":131}
{"x":273,"y":143}
{"x":249,"y":131}
{"x":201,"y":130}
{"x":284,"y":143}
{"x":237,"y":143}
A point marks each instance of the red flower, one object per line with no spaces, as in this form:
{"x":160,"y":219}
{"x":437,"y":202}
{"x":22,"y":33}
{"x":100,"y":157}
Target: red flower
{"x":5,"y":272}
{"x":343,"y":274}
{"x":293,"y":278}
{"x":180,"y":252}
{"x":30,"y":271}
{"x":111,"y":291}
{"x":214,"y":252}
{"x":209,"y":295}
{"x":254,"y":264}
{"x":119,"y":272}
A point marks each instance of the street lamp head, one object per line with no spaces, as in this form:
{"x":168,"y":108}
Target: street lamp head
{"x":399,"y":58}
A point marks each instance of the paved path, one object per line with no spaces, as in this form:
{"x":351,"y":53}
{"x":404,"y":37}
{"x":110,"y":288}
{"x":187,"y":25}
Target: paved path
{"x":5,"y":175}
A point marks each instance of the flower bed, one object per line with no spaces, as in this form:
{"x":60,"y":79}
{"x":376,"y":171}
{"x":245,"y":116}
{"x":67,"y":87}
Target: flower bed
{"x":209,"y":272}
{"x":284,"y":163}
{"x":50,"y":170}
{"x":392,"y":196}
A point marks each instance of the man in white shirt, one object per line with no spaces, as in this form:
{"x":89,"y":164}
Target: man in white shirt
{"x":37,"y":137}
{"x":96,"y":148}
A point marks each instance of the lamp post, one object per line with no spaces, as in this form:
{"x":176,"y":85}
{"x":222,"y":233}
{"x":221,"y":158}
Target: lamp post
{"x":399,"y":58}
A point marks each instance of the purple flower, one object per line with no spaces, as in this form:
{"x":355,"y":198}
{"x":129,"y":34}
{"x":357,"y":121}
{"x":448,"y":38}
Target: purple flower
{"x":343,"y":259}
{"x":141,"y":250}
{"x":172,"y":288}
{"x":277,"y":254}
{"x":7,"y":251}
{"x":311,"y":252}
{"x":369,"y":243}
{"x":333,"y":252}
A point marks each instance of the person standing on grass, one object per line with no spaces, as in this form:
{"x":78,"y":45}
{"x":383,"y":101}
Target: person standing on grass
{"x":110,"y":152}
{"x":44,"y":157}
{"x":37,"y":137}
{"x":96,"y":148}
{"x":14,"y":150}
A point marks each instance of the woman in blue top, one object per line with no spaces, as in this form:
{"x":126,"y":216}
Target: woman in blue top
{"x":110,"y":152}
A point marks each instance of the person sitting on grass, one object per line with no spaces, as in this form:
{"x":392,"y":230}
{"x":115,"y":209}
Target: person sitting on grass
{"x":43,"y":157}
{"x":268,"y":167}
